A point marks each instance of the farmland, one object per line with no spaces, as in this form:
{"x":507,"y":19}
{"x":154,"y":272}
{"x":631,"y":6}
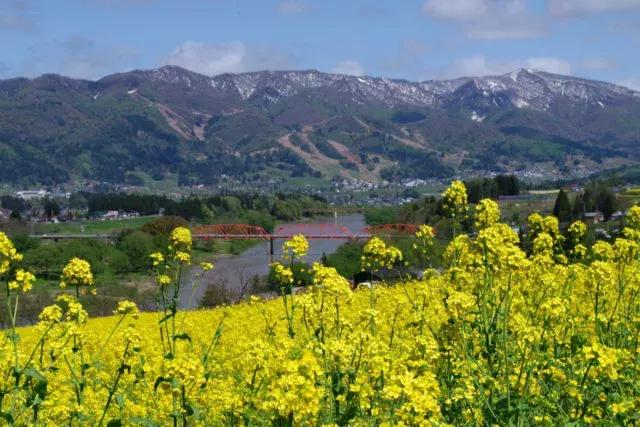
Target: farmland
{"x":94,"y":226}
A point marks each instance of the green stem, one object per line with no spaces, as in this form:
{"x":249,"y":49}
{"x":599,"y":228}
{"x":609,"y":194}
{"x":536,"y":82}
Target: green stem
{"x":115,"y":386}
{"x":104,"y":345}
{"x":44,"y":335}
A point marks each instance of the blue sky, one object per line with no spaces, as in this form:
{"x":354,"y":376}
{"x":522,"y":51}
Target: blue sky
{"x":412,"y":39}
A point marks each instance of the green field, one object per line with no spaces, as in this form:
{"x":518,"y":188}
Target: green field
{"x":94,"y":226}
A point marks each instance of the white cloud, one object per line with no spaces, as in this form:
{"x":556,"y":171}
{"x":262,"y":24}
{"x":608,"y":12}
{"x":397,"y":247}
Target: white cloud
{"x":549,"y":64}
{"x":597,"y":63}
{"x":209,"y":58}
{"x":461,"y":10}
{"x":349,"y":67}
{"x":631,"y":83}
{"x":475,"y":65}
{"x":292,"y":6}
{"x":488,"y":19}
{"x":580,"y":7}
{"x":478,"y":65}
{"x":228,"y":57}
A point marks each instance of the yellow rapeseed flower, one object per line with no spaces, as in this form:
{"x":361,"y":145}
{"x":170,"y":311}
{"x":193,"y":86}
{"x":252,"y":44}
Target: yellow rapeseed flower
{"x":76,"y":273}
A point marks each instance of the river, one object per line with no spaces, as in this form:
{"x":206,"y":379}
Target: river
{"x":236,"y":270}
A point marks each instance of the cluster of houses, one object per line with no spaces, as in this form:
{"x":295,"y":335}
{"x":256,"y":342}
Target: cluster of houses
{"x":40,"y":194}
{"x":597,"y":217}
{"x":35,"y":213}
{"x":111,"y":215}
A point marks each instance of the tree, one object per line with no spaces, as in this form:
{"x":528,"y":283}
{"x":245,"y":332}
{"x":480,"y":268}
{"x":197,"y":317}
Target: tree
{"x":562,"y":207}
{"x":578,"y":210}
{"x":608,"y":204}
{"x":51,"y":208}
{"x":508,"y":185}
{"x":13,"y":203}
{"x":137,"y":246}
{"x":164,"y":225}
{"x":78,"y":201}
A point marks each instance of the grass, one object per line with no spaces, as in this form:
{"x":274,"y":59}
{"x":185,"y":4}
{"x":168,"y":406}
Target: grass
{"x":94,"y":226}
{"x":521,"y":209}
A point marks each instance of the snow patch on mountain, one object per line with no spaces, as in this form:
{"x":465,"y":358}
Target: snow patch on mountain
{"x":476,"y":117}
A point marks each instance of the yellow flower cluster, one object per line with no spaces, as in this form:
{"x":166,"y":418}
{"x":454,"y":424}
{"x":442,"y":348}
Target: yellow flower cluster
{"x":577,"y":230}
{"x":454,"y":199}
{"x":180,"y":245}
{"x":377,"y":255}
{"x":576,"y":235}
{"x":76,"y":273}
{"x":283,"y":275}
{"x":206,"y":266}
{"x":544,"y":236}
{"x":163,"y":280}
{"x":23,"y":281}
{"x":487,"y":213}
{"x":126,"y":307}
{"x":537,"y":224}
{"x":425,"y":232}
{"x":328,"y":280}
{"x":423,"y":245}
{"x":499,"y":336}
{"x":156,"y":258}
{"x":51,"y":313}
{"x":180,"y":239}
{"x":8,"y":253}
{"x":297,"y":246}
{"x":632,"y":224}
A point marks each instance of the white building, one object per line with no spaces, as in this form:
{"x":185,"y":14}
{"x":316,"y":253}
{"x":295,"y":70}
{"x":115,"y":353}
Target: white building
{"x":111,"y":215}
{"x":31,"y":194}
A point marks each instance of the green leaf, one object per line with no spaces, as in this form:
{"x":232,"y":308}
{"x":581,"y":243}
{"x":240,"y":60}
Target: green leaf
{"x":120,"y":398}
{"x":183,"y":336}
{"x":114,"y":423}
{"x":167,"y":317}
{"x":34,"y":374}
{"x":159,"y":381}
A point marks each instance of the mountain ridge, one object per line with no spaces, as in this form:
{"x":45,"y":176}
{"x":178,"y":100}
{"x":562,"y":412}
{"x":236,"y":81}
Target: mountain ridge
{"x":512,"y":73}
{"x":170,"y":120}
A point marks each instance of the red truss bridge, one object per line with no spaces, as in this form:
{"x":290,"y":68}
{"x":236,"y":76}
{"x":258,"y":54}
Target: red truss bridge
{"x":251,"y":232}
{"x":245,"y":231}
{"x":229,"y":231}
{"x":310,"y":231}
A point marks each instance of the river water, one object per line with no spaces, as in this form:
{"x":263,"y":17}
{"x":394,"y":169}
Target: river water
{"x":235,"y":270}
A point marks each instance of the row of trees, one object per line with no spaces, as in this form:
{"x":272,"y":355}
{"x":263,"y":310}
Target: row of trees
{"x":500,"y":185}
{"x":256,"y":209}
{"x":596,"y":196}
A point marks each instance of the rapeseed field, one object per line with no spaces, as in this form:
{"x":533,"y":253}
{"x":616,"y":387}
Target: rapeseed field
{"x":501,"y":335}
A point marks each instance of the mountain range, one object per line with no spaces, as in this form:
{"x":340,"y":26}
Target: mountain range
{"x":151,"y":124}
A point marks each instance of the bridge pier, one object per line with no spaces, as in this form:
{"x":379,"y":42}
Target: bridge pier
{"x":271,"y":249}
